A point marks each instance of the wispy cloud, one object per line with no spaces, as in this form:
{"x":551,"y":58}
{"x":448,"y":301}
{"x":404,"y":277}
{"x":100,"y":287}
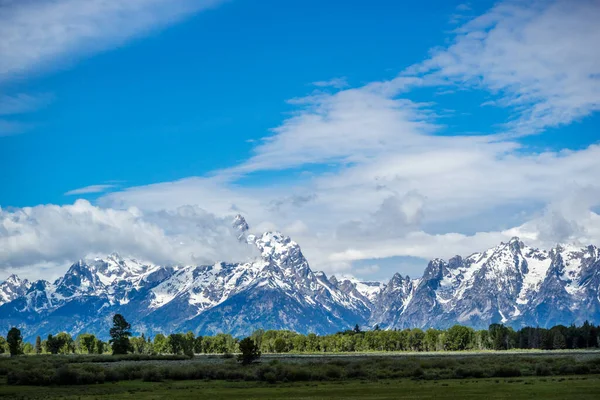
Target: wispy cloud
{"x":337,"y":83}
{"x":89,"y":189}
{"x":12,"y":107}
{"x":37,"y":34}
{"x":9,"y":128}
{"x":538,"y":57}
{"x":395,"y":187}
{"x":22,"y":103}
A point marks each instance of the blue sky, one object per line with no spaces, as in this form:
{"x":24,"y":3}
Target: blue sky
{"x":396,"y":132}
{"x":187,"y":99}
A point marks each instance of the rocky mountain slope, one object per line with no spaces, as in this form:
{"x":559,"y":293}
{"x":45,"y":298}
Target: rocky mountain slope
{"x":510,"y":283}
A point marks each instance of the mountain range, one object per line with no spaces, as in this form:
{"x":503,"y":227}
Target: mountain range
{"x":511,"y":283}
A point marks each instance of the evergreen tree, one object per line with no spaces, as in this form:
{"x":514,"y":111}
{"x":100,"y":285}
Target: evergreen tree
{"x":38,"y":345}
{"x":120,"y":334}
{"x":499,"y":336}
{"x":558,"y":341}
{"x":14,"y":341}
{"x":249,"y":351}
{"x":176,"y":343}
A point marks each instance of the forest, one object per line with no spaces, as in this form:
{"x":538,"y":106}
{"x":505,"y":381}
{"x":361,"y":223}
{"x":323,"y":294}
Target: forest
{"x":456,"y":338}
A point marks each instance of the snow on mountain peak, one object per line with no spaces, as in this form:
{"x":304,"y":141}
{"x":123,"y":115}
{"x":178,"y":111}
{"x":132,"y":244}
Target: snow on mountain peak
{"x":511,"y":283}
{"x":15,"y":280}
{"x":240,"y":224}
{"x":368,"y":289}
{"x":12,"y":288}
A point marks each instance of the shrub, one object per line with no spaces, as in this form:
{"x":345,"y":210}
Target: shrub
{"x":152,"y":375}
{"x":542,"y":370}
{"x":418,"y":373}
{"x":270,"y":377}
{"x":507,"y":372}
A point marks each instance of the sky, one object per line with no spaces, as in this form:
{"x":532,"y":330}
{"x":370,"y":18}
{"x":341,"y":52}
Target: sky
{"x":378,"y":135}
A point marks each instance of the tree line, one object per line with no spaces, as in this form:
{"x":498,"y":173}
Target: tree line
{"x":456,"y":338}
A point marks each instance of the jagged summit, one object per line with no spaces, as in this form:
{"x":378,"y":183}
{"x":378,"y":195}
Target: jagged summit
{"x":12,"y":288}
{"x":240,"y":225}
{"x":510,"y":283}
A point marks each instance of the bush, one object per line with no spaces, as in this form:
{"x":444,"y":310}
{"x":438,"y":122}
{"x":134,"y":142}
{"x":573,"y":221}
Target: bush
{"x":542,"y":370}
{"x":270,"y":377}
{"x":507,"y":372}
{"x":333,"y":372}
{"x":418,"y":373}
{"x":152,"y":375}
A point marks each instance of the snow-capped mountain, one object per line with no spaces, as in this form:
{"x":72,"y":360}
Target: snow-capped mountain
{"x":12,"y":288}
{"x":510,"y":283}
{"x":278,"y":290}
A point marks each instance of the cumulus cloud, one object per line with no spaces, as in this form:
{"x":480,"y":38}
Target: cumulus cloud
{"x":55,"y":234}
{"x":568,"y":219}
{"x":394,"y":217}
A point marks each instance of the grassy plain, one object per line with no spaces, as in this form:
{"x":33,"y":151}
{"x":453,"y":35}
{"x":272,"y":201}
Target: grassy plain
{"x":575,"y":387}
{"x":490,"y":375}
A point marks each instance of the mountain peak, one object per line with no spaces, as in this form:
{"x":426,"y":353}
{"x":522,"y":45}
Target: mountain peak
{"x":115,"y":256}
{"x":510,"y":280}
{"x":516,"y":241}
{"x":15,"y":280}
{"x":240,"y":224}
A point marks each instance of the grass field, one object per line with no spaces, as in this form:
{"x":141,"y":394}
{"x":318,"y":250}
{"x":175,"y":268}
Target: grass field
{"x":575,"y":387}
{"x":487,"y":375}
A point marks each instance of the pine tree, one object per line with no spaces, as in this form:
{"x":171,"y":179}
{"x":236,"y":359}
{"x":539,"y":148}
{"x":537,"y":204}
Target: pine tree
{"x":38,"y":345}
{"x":120,"y":334}
{"x":14,"y":340}
{"x":558,"y":341}
{"x":249,"y":351}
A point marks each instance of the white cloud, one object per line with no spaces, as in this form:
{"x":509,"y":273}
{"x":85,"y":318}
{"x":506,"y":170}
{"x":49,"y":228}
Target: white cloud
{"x":393,"y":187}
{"x":367,"y":270}
{"x":540,"y":57}
{"x":337,"y":83}
{"x":89,"y":189}
{"x":345,"y":127}
{"x":37,"y":34}
{"x":61,"y":234}
{"x":14,"y":105}
{"x":389,"y":185}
